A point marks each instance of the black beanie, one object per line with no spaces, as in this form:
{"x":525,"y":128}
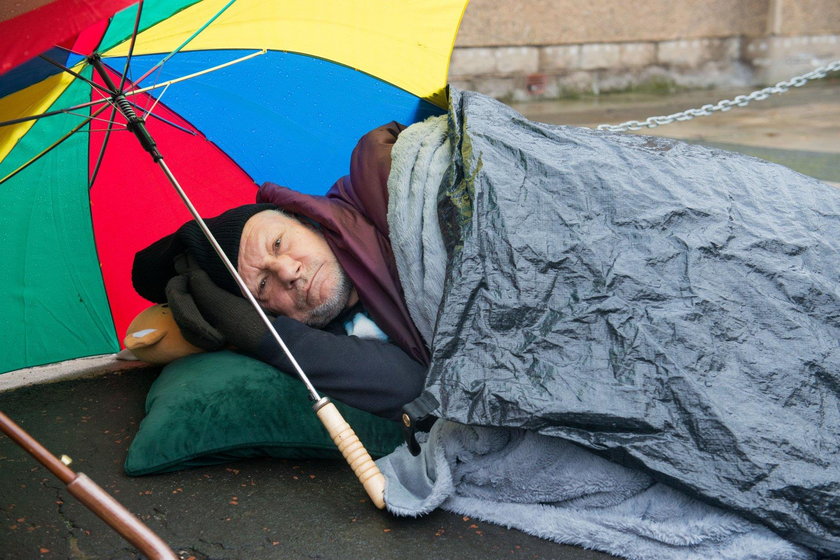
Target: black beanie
{"x":155,"y":265}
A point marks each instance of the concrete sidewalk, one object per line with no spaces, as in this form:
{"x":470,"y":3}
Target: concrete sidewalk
{"x":267,"y":509}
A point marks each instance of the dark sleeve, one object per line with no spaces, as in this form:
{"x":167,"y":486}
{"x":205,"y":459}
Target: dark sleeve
{"x":367,"y":374}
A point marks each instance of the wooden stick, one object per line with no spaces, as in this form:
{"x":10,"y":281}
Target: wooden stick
{"x":92,"y":496}
{"x":34,"y":448}
{"x":117,"y":516}
{"x":353,"y":451}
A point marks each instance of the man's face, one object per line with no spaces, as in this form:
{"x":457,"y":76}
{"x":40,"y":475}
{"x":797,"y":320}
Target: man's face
{"x":291,"y":270}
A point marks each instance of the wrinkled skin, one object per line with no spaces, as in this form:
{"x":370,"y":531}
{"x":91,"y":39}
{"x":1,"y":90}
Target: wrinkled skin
{"x":289,"y":268}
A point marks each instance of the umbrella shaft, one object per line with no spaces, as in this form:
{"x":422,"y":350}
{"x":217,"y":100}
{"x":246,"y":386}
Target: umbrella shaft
{"x":138,"y":127}
{"x":313,"y":394}
{"x":135,"y":124}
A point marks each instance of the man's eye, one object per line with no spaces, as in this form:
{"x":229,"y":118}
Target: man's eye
{"x":276,"y":244}
{"x":261,"y":286}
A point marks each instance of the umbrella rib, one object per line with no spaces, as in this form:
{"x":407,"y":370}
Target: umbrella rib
{"x":196,"y":74}
{"x":155,"y":104}
{"x":185,"y":43}
{"x":92,"y":117}
{"x":165,"y":121}
{"x":131,"y":46}
{"x":91,"y":83}
{"x":68,"y":110}
{"x":101,"y":155}
{"x":53,"y":145}
{"x":98,"y":119}
{"x":133,"y":92}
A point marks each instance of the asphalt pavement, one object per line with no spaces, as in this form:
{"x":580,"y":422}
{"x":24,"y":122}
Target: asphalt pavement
{"x":271,"y":508}
{"x":248,"y":510}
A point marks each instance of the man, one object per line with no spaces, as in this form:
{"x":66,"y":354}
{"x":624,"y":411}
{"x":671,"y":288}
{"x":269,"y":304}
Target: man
{"x":620,"y":292}
{"x":323,"y":266}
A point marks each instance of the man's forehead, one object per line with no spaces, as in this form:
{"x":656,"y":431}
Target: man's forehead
{"x":268,"y":219}
{"x":262,"y":226}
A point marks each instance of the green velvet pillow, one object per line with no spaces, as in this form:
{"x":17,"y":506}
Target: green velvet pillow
{"x":217,"y":407}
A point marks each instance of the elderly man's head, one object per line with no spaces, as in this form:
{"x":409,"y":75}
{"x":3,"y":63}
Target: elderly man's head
{"x":285,"y":262}
{"x":291,"y":270}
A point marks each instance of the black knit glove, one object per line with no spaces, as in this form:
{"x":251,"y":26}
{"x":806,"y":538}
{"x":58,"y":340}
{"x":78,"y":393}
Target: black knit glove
{"x":210,"y":315}
{"x":194,"y":327}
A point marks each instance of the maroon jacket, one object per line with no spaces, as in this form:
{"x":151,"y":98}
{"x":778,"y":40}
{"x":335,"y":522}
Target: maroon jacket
{"x":353,"y":219}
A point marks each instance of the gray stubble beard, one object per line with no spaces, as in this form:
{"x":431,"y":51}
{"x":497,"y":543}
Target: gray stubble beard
{"x":321,"y":315}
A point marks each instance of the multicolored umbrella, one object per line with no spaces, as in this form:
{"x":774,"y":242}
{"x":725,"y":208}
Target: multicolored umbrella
{"x":234,"y":92}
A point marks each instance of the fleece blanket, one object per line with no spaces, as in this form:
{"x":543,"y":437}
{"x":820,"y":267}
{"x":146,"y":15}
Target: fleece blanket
{"x":556,"y":490}
{"x":542,"y":485}
{"x":420,"y":162}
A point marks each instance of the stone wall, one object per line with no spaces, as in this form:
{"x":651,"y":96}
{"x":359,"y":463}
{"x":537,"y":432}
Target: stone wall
{"x":536,"y":49}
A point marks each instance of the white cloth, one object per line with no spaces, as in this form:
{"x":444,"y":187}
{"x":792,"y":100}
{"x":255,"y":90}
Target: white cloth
{"x":362,"y":326}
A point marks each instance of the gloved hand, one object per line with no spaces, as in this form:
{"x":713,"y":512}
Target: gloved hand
{"x":209,"y":316}
{"x":194,"y":327}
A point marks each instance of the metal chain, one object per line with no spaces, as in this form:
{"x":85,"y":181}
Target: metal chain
{"x":725,"y":104}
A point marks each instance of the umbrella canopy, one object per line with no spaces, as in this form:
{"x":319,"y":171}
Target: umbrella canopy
{"x":234,"y":93}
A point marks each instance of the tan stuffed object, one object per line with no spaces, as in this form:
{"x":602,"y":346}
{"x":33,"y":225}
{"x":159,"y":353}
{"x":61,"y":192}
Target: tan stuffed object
{"x":154,"y":337}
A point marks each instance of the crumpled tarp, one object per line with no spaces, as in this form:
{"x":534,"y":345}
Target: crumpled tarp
{"x":672,"y":307}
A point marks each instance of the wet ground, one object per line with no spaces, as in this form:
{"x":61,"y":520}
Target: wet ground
{"x":273,"y":509}
{"x":799,"y":129}
{"x":249,"y":510}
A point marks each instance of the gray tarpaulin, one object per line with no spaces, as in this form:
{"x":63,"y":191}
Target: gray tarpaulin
{"x":671,"y":307}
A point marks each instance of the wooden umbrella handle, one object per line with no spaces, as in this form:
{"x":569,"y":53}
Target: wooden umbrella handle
{"x":353,"y":451}
{"x":92,"y":496}
{"x":119,"y":518}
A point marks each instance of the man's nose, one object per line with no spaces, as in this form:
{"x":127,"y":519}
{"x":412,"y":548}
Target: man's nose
{"x":288,"y":270}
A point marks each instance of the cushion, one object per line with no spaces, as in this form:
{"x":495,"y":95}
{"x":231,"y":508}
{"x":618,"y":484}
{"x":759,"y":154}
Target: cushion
{"x":218,"y":407}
